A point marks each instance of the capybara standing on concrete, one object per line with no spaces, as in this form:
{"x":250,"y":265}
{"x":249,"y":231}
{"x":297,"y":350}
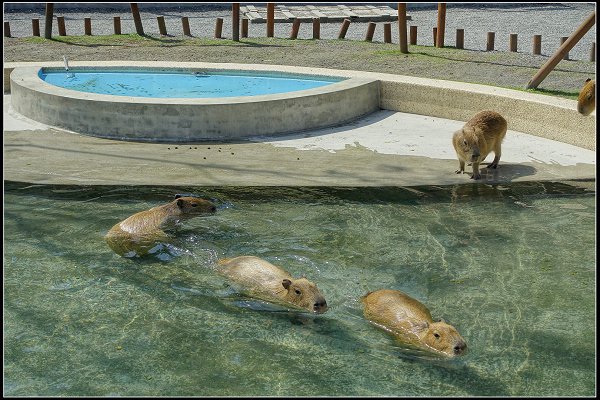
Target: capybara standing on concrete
{"x":586,"y":102}
{"x":411,"y":323}
{"x":263,"y":280}
{"x":141,"y":232}
{"x":473,"y":142}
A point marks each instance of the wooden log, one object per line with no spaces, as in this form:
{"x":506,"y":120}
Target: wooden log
{"x":413,"y":34}
{"x":48,"y":25}
{"x":537,"y":44}
{"x":344,"y":29}
{"x":460,"y":38}
{"x":295,"y":28}
{"x":35,"y":26}
{"x":162,"y":27}
{"x":512,"y":42}
{"x":137,"y":19}
{"x":387,"y":33}
{"x":117,"y":25}
{"x":370,"y":31}
{"x":235,"y":21}
{"x":316,"y":28}
{"x":270,"y":19}
{"x":60,"y":22}
{"x":441,"y":25}
{"x":490,"y":41}
{"x":185,"y":25}
{"x":218,"y":28}
{"x":402,"y":28}
{"x":87,"y":26}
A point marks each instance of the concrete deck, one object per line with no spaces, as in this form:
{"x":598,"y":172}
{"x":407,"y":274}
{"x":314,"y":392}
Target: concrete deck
{"x":386,"y":148}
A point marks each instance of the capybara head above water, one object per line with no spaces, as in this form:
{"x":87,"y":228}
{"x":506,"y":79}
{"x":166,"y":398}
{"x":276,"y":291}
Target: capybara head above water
{"x":304,"y":294}
{"x":444,"y":338}
{"x":586,"y":102}
{"x":194,"y":206}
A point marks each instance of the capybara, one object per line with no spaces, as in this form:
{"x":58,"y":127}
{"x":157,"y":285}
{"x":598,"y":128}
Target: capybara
{"x":263,"y":280}
{"x":586,"y":102}
{"x":141,"y":232}
{"x":473,"y":142}
{"x":411,"y":323}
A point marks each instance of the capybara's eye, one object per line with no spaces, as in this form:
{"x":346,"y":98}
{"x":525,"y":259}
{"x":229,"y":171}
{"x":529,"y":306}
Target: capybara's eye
{"x":465,"y":142}
{"x":194,"y":205}
{"x":297,"y":292}
{"x":437,"y":335}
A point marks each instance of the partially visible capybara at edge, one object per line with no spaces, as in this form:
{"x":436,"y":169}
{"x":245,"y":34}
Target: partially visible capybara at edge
{"x":586,"y":102}
{"x":263,"y":280}
{"x":411,"y":323}
{"x":473,"y":142}
{"x":140,"y":233}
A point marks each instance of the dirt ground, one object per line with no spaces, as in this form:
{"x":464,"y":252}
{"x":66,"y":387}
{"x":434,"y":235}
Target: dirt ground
{"x":496,"y":68}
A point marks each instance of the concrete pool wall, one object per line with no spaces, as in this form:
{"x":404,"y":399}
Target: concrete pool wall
{"x":540,"y":115}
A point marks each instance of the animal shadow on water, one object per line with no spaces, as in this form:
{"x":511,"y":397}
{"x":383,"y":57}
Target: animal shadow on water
{"x":505,"y":172}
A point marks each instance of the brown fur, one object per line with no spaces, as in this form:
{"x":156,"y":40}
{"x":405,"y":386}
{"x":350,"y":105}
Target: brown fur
{"x":586,"y":102}
{"x":411,"y":323}
{"x":265,"y":281}
{"x":138,"y":234}
{"x":481,"y":135}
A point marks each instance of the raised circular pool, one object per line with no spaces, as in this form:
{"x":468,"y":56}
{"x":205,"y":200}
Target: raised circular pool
{"x":256,"y":103}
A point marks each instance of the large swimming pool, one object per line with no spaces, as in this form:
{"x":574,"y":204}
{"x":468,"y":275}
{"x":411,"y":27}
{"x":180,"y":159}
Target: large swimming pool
{"x":512,"y":267}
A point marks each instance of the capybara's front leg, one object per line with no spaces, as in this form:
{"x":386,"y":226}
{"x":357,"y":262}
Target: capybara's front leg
{"x":461,"y":165}
{"x":476,"y":174}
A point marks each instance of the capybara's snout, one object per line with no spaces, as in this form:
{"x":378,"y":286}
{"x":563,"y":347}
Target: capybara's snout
{"x":460,"y":348}
{"x":320,"y":305}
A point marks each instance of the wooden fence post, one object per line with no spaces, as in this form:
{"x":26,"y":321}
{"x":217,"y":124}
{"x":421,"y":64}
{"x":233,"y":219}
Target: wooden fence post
{"x":434,"y":36}
{"x":87,"y":26}
{"x":270,"y":19}
{"x":316,"y":28}
{"x":460,"y":38}
{"x":244,"y":27}
{"x":344,"y":29}
{"x":537,"y":44}
{"x":295,"y":28}
{"x":512,"y":42}
{"x":162,"y":28}
{"x":6,"y":29}
{"x":185,"y":25}
{"x":218,"y":28}
{"x":441,"y":24}
{"x":387,"y":33}
{"x":413,"y":34}
{"x":117,"y":25}
{"x":48,"y":25}
{"x":60,"y":22}
{"x":35,"y":26}
{"x":490,"y":41}
{"x":137,"y":19}
{"x":235,"y":21}
{"x":593,"y":52}
{"x":370,"y":31}
{"x":402,"y":28}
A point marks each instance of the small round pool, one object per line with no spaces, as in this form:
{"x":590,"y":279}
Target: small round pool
{"x":170,"y":104}
{"x":181,"y":84}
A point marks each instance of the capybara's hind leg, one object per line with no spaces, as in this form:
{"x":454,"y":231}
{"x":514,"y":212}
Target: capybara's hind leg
{"x":497,"y":153}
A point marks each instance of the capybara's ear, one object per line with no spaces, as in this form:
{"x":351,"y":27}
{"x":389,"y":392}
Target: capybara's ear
{"x":178,"y":195}
{"x":286,"y":283}
{"x":588,"y":79}
{"x":180,"y":203}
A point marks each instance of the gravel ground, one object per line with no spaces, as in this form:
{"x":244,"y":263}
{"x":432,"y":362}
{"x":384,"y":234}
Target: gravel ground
{"x":499,"y":68}
{"x":551,"y":20}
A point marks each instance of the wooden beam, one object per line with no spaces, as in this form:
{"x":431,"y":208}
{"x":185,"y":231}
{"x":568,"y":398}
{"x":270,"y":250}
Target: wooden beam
{"x":48,"y":25}
{"x":441,"y":24}
{"x":235,"y":21}
{"x":402,"y":27}
{"x":137,"y":19}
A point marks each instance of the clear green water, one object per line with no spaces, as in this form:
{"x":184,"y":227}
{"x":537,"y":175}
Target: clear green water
{"x":511,"y":267}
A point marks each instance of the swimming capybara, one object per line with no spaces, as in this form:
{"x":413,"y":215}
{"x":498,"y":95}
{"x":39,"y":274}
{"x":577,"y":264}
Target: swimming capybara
{"x":586,"y":102}
{"x":263,"y":280}
{"x":141,"y":232}
{"x":411,"y":323}
{"x":473,"y":142}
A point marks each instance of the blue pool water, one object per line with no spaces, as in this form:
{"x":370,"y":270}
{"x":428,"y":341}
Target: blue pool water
{"x":181,"y":84}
